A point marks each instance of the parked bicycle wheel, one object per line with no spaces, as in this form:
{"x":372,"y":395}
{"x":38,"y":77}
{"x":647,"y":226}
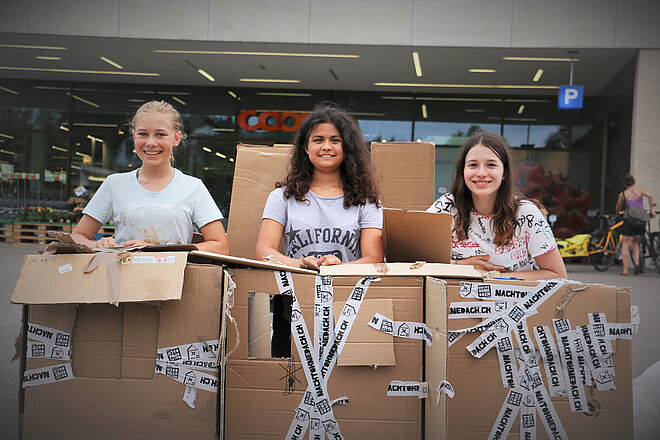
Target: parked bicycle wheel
{"x":655,"y":250}
{"x":600,"y":259}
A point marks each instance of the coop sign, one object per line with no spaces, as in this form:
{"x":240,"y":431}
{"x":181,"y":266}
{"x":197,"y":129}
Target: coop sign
{"x":253,"y":120}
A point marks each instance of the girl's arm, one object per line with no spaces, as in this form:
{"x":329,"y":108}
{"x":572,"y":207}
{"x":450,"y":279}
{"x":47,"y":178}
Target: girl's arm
{"x":550,"y":264}
{"x":371,"y":246}
{"x":86,"y":230}
{"x":648,"y":196}
{"x":215,"y":239}
{"x":619,"y":203}
{"x":268,"y":243}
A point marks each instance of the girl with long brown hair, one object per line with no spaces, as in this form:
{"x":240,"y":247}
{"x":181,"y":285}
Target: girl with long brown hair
{"x":493,"y":228}
{"x":327,"y":208}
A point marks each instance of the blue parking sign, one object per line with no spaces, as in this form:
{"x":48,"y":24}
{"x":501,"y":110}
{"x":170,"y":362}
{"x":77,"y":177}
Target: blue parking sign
{"x":570,"y":97}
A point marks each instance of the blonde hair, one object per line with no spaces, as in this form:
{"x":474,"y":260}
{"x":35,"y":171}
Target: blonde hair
{"x":159,"y":107}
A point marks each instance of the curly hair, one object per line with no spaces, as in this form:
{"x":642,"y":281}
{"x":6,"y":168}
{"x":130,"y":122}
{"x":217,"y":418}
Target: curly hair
{"x":357,"y":173}
{"x":628,"y":180}
{"x":505,"y":211}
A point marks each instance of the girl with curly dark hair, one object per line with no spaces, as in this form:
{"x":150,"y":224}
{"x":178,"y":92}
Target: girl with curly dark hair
{"x":327,"y":208}
{"x":493,"y":228}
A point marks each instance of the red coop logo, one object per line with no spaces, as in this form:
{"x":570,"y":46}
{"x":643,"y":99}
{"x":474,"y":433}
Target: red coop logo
{"x":270,"y":121}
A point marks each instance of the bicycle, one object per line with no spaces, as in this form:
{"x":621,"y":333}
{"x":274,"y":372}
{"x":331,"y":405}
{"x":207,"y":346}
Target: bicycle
{"x":649,"y":247}
{"x":605,"y":248}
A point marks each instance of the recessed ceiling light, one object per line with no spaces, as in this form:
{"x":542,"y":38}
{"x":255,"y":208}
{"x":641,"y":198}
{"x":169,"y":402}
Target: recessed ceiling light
{"x":5,"y":89}
{"x":8,"y":136}
{"x":223,"y":129}
{"x":526,"y":100}
{"x":402,"y":98}
{"x":231,"y":159}
{"x":207,"y":149}
{"x":59,"y":148}
{"x":521,"y":109}
{"x":135,"y":100}
{"x":78,"y":98}
{"x":112,"y":63}
{"x":294,"y":81}
{"x":482,"y":70}
{"x":8,"y":152}
{"x":179,"y":100}
{"x":220,"y":155}
{"x":232,"y":94}
{"x":95,"y":139}
{"x":538,"y":75}
{"x":538,"y":59}
{"x":282,"y":94}
{"x":63,"y":128}
{"x":356,"y":113}
{"x":206,"y":75}
{"x":417,"y":64}
{"x":49,"y":58}
{"x":94,"y":124}
{"x":22,"y":46}
{"x":277,"y":54}
{"x":464,"y":86}
{"x":474,"y":110}
{"x":424,"y":112}
{"x":94,"y":72}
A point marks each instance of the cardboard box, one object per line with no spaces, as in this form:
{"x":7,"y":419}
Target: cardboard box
{"x":405,"y":172}
{"x":109,"y":388}
{"x":478,"y":383}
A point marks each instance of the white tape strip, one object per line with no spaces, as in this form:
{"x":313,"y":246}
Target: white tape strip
{"x":44,"y":350}
{"x":528,"y":417}
{"x":402,"y":329}
{"x":324,"y":320}
{"x":580,"y":351}
{"x":206,"y":365}
{"x":149,"y":259}
{"x":41,"y":376}
{"x":495,"y":292}
{"x":598,"y":322}
{"x":548,"y":414}
{"x":527,"y":349}
{"x":443,"y":387}
{"x":453,"y":337}
{"x":189,"y":352}
{"x":551,"y":361}
{"x":634,"y":317}
{"x":483,"y":343}
{"x":507,"y":415}
{"x":187,"y":376}
{"x":474,"y":309}
{"x":190,"y":396}
{"x":599,"y":371}
{"x":343,"y":400}
{"x":50,"y":335}
{"x":623,"y":331}
{"x":64,"y":268}
{"x":398,"y":388}
{"x":574,"y":387}
{"x":507,"y":359}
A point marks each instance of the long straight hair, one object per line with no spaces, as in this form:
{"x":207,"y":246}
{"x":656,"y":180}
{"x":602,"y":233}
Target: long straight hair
{"x":357,"y":173}
{"x":504,"y":221}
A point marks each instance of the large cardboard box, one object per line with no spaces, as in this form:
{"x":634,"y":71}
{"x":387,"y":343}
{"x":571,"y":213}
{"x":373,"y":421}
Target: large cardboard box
{"x":91,"y":366}
{"x":479,"y":382}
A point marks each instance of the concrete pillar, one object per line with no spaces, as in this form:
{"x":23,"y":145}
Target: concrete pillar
{"x":645,"y":145}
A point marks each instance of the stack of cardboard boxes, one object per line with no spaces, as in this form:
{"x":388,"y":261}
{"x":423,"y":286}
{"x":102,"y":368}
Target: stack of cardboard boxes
{"x":169,"y":314}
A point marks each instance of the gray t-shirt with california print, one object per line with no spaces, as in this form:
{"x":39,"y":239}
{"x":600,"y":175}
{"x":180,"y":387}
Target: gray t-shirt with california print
{"x":321,"y":225}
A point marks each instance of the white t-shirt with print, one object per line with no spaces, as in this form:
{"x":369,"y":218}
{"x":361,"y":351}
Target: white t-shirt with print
{"x":321,"y":225}
{"x":158,"y":217}
{"x":533,"y":236}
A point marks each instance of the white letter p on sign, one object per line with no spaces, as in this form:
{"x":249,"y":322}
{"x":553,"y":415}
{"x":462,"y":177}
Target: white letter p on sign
{"x":570,"y":95}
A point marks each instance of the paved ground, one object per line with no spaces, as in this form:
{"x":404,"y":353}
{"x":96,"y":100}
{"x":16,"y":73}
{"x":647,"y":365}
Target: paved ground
{"x":646,"y":344}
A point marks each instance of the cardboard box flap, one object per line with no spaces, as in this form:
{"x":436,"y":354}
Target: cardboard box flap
{"x":257,"y":169}
{"x":405,"y":173}
{"x":61,"y":279}
{"x":436,"y":358}
{"x":365,"y":345}
{"x":404,"y":269}
{"x":416,"y":236}
{"x":246,"y":262}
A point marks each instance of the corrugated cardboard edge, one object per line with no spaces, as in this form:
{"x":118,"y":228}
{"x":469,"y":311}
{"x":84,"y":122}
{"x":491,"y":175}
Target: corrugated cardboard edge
{"x":247,"y":262}
{"x":436,"y":362}
{"x":440,"y":270}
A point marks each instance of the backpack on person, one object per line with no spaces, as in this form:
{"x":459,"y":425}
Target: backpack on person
{"x":635,"y":215}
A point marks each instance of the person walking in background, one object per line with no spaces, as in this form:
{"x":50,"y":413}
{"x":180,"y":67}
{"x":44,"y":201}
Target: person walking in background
{"x":632,"y":229}
{"x":155,"y":204}
{"x":493,"y":228}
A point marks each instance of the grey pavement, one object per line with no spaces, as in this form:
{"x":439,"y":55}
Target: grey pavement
{"x":645,"y":293}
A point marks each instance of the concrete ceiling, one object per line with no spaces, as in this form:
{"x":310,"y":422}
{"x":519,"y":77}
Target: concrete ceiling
{"x":440,"y":65}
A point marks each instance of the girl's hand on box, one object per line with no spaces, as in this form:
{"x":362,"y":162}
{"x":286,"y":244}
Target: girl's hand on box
{"x":106,"y":242}
{"x":136,"y":242}
{"x":481,"y":262}
{"x":328,"y":260}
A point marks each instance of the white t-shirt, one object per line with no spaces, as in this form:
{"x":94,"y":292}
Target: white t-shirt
{"x":160,"y":217}
{"x":532,"y":237}
{"x":321,"y":225}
